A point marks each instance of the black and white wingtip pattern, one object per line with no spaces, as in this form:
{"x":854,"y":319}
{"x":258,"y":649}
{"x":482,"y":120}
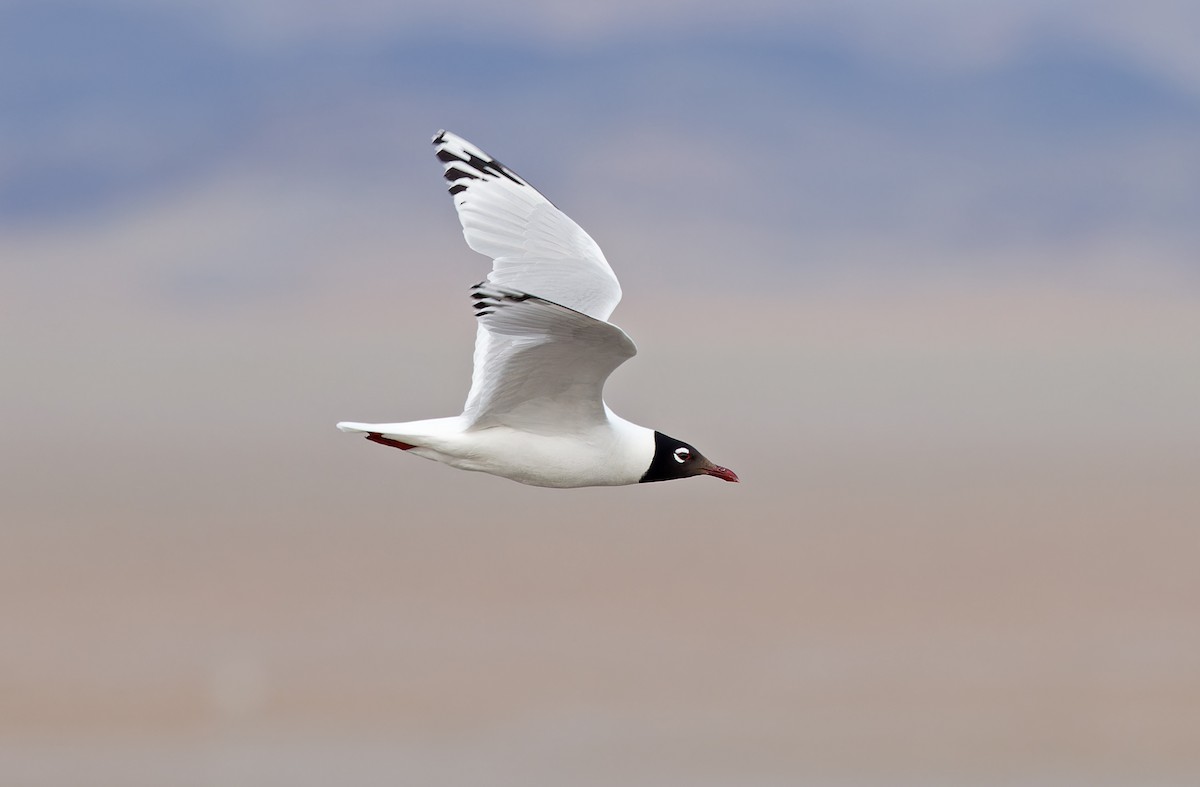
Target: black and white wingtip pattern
{"x":487,"y":298}
{"x":463,"y":163}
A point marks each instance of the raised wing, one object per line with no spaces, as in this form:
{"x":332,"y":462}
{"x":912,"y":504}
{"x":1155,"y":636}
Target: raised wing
{"x":536,"y":248}
{"x":540,"y":366}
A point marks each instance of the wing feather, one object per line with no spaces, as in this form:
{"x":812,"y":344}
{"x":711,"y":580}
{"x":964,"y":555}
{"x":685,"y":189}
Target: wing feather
{"x":535,"y":247}
{"x":540,"y":366}
{"x":544,"y":347}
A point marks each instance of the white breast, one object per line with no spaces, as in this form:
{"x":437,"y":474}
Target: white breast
{"x":613,"y":454}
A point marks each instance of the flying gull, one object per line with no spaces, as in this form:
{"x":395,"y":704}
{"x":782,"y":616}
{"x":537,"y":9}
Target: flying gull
{"x":544,"y":348}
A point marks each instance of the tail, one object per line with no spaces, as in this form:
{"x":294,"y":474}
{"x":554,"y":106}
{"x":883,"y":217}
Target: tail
{"x":373,"y":434}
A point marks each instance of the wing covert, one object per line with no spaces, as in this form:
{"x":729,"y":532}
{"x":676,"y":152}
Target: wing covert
{"x":540,"y":366}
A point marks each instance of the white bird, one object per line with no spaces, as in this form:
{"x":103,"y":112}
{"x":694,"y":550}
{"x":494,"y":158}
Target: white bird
{"x":535,"y":412}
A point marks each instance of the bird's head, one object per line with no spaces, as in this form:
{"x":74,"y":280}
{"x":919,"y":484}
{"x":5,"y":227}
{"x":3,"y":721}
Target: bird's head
{"x":677,"y":459}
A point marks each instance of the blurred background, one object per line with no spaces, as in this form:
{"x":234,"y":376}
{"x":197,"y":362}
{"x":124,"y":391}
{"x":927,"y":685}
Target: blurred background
{"x":925,"y":274}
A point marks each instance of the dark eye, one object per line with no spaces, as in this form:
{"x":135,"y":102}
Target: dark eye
{"x":682,"y":455}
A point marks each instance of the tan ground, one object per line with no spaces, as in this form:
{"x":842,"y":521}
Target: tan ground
{"x":964,"y":552}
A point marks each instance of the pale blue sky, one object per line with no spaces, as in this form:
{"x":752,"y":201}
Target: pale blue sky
{"x":1010,"y":133}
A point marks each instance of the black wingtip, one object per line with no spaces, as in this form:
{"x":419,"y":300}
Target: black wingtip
{"x":454,"y":173}
{"x":439,"y":137}
{"x":487,"y":300}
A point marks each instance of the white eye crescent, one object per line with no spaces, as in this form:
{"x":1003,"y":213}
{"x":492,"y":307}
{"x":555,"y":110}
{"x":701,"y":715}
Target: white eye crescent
{"x":682,"y":455}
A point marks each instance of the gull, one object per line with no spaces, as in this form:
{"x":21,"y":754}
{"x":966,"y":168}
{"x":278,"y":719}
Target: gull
{"x":544,"y":348}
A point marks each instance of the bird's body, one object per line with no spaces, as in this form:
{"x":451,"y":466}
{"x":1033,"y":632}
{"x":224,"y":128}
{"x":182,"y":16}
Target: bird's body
{"x":543,"y":350}
{"x":607,"y":454}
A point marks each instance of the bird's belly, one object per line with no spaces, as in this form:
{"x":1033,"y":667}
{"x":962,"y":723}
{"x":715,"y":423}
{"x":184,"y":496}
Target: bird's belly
{"x":537,"y":460}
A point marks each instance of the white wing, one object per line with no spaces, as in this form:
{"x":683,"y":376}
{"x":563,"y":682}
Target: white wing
{"x":567,"y":349}
{"x":544,"y":366}
{"x":536,"y":248}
